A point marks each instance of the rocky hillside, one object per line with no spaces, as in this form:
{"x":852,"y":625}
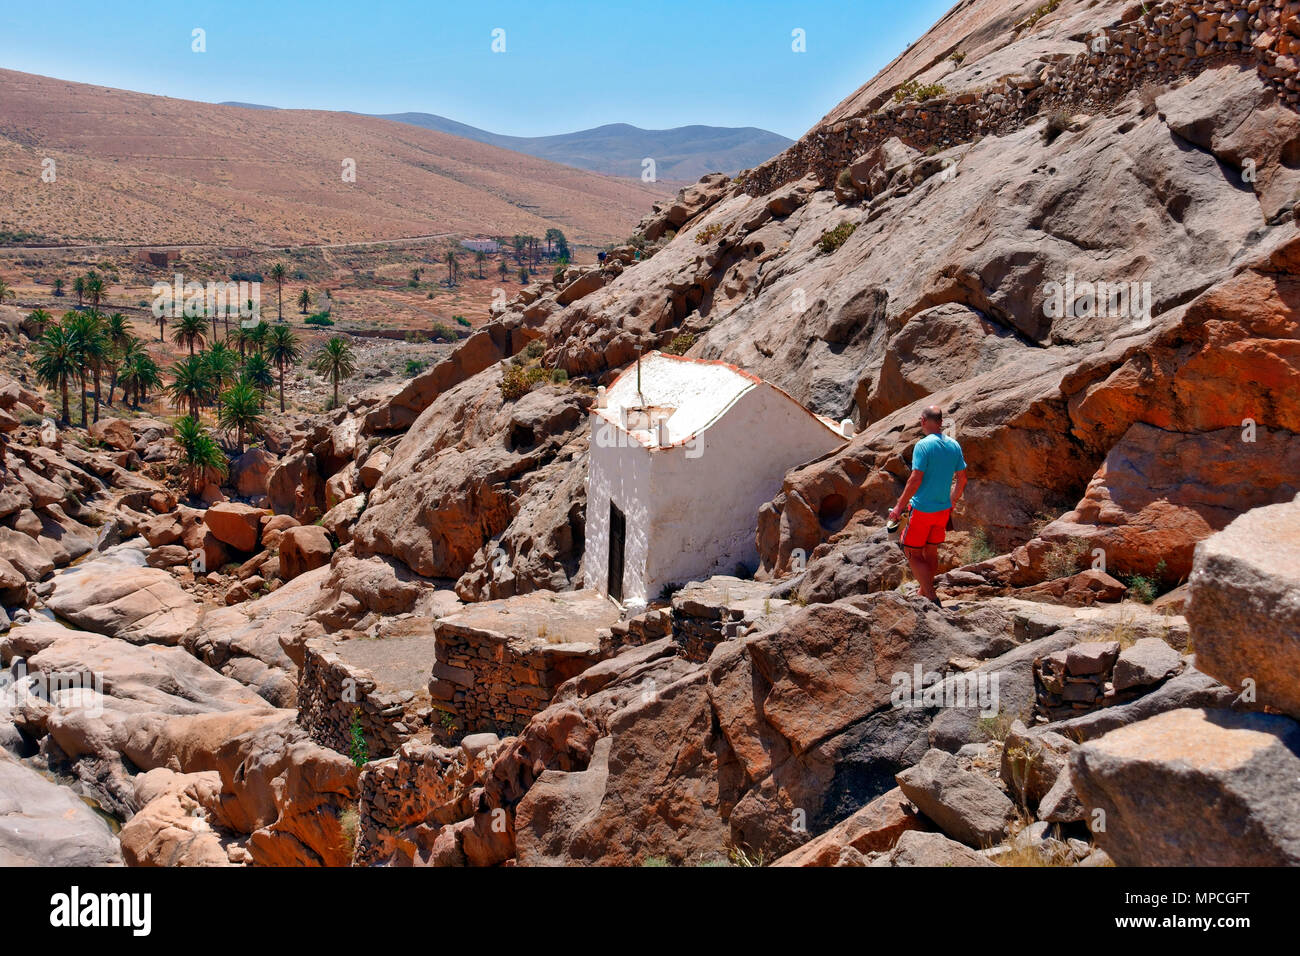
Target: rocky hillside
{"x":384,"y":660}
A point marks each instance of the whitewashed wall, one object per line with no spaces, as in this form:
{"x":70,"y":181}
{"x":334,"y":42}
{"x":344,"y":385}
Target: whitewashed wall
{"x":706,"y":508}
{"x":692,"y":511}
{"x":622,"y":474}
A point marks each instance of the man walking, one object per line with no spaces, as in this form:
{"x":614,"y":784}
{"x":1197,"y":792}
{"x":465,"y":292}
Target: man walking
{"x":936,"y":461}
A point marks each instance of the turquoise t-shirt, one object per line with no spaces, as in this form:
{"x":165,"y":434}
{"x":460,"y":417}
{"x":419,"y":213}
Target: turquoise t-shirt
{"x":939,"y":458}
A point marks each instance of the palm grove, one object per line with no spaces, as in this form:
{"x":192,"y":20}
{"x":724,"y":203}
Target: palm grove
{"x":231,"y":371}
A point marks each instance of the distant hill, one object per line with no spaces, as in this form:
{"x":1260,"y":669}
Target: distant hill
{"x":683,"y":153}
{"x":137,"y":168}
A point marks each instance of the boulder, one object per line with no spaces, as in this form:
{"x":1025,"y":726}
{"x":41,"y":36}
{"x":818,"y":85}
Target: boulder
{"x":235,"y":524}
{"x":339,"y":520}
{"x":113,"y":432}
{"x":123,"y":600}
{"x":965,"y":805}
{"x":273,"y":526}
{"x":1146,"y":662}
{"x":919,"y":848}
{"x":167,"y":556}
{"x":44,"y":824}
{"x":1244,"y":607}
{"x":250,"y":472}
{"x":303,"y":549}
{"x":874,"y":828}
{"x":1153,"y":781}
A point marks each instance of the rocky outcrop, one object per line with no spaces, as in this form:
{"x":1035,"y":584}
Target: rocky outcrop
{"x":1152,"y":781}
{"x":1245,"y":606}
{"x":43,"y":824}
{"x":445,"y":493}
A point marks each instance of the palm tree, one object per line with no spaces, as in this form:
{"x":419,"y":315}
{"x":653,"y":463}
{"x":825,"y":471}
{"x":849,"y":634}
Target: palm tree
{"x":94,"y":288}
{"x":240,"y":408}
{"x":79,"y":287}
{"x":282,"y":349}
{"x":201,"y":457}
{"x":452,"y":267}
{"x":162,"y":325}
{"x":140,"y":374}
{"x":502,"y":269}
{"x":6,"y":292}
{"x":189,"y":329}
{"x":257,"y":336}
{"x":304,"y":300}
{"x":39,"y":318}
{"x":119,"y":335}
{"x":190,"y":385}
{"x":480,"y":257}
{"x":56,"y":363}
{"x":277,"y":276}
{"x":92,"y":350}
{"x":242,"y":338}
{"x":222,"y":365}
{"x":58,"y":288}
{"x":335,"y":361}
{"x":257,"y":372}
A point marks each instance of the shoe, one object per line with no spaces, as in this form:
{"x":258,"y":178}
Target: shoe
{"x":937,"y":602}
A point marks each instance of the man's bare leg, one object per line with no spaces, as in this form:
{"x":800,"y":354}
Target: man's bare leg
{"x":932,"y":559}
{"x":921,"y":570}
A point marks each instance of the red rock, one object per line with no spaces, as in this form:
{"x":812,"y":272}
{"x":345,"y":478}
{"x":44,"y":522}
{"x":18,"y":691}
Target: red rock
{"x":273,"y":526}
{"x":113,"y":432}
{"x":235,"y":524}
{"x":876,"y":827}
{"x":303,"y":549}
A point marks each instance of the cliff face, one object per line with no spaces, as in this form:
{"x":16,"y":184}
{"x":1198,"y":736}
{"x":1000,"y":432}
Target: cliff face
{"x":1074,"y":228}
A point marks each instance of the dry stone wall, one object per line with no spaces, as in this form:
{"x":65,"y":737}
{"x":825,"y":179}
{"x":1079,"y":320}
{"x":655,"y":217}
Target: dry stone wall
{"x":333,"y":696}
{"x":496,"y":682}
{"x":1169,"y":40}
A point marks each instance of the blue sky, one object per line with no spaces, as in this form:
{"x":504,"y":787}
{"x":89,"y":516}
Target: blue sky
{"x":566,"y":66}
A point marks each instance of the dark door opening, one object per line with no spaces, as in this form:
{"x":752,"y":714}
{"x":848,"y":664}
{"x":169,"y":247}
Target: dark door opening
{"x":617,"y":535}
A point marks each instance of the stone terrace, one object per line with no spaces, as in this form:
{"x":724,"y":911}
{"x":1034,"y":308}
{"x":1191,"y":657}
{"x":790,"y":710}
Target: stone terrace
{"x":499,"y":662}
{"x":378,"y":681}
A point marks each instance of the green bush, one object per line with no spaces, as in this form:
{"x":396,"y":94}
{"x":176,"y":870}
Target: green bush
{"x":832,"y":239}
{"x":358,"y":749}
{"x":708,"y":233}
{"x":559,"y":376}
{"x":414,"y":367}
{"x":319,"y":318}
{"x":515,"y":383}
{"x":461,"y":320}
{"x":680,"y":344}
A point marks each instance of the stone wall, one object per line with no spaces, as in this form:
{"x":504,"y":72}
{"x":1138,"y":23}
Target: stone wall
{"x":1174,"y":38}
{"x":332,"y":694}
{"x":496,"y":682}
{"x":398,"y":795}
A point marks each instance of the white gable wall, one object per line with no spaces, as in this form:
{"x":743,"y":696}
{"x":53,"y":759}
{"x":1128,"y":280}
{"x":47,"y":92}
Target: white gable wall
{"x":705,"y":508}
{"x":692,"y":511}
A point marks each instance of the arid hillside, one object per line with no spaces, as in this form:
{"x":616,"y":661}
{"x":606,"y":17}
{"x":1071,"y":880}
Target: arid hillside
{"x":135,"y":168}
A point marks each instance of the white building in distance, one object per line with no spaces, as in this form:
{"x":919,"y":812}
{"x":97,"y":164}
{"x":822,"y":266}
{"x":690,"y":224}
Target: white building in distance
{"x":680,"y":464}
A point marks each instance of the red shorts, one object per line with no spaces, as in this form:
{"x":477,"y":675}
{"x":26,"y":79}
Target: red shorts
{"x":926,"y":527}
